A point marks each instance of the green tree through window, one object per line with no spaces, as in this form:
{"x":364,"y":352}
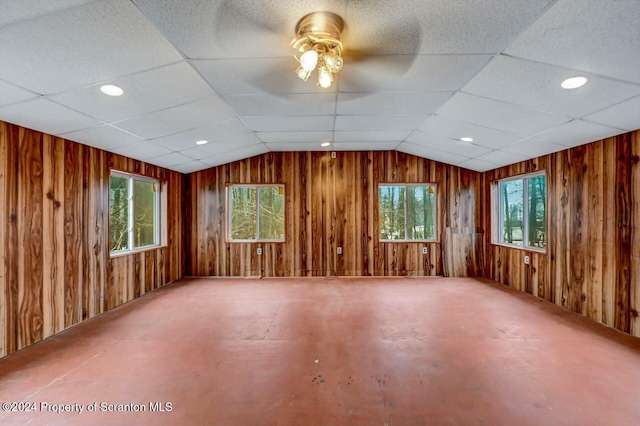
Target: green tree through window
{"x":522,"y":209}
{"x":133,"y":212}
{"x":407,"y":212}
{"x":256,"y":212}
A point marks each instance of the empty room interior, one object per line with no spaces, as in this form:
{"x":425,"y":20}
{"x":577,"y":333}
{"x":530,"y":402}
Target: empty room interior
{"x":320,"y":212}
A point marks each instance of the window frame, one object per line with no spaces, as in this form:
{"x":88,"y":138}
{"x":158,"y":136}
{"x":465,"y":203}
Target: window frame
{"x":229,"y":186}
{"x":436,"y":235}
{"x":498,"y":234}
{"x":158,"y":219}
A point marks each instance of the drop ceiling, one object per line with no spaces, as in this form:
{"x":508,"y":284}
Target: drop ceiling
{"x":223,"y":71}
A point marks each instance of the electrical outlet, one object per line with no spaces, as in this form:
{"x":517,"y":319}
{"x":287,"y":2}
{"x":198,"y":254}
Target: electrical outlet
{"x":526,"y":260}
{"x":333,"y":154}
{"x":259,"y":251}
{"x":424,"y":250}
{"x":339,"y":250}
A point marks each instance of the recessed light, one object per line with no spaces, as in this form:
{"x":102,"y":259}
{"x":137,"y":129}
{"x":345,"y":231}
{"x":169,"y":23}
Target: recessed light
{"x":466,"y":139}
{"x":325,"y":144}
{"x":201,"y":142}
{"x":574,"y":82}
{"x":111,"y":90}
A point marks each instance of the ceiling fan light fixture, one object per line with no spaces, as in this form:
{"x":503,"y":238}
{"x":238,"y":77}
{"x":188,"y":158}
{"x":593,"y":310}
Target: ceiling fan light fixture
{"x":333,"y":61}
{"x":318,"y":41}
{"x":309,"y":60}
{"x":325,"y":78}
{"x":303,"y":74}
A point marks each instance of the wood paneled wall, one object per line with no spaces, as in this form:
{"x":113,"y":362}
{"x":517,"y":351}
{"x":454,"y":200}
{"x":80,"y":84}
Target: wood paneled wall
{"x":329,"y":203}
{"x":55,"y":268}
{"x":592,"y":262}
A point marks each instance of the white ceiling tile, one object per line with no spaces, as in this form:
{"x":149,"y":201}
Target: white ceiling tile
{"x":432,"y":154}
{"x":365,"y":146}
{"x":448,"y":145}
{"x":378,"y":122}
{"x":240,"y":154}
{"x":391,"y":102}
{"x":233,"y":143}
{"x":190,"y":167}
{"x":170,"y":160}
{"x":178,"y":119}
{"x":409,"y":73}
{"x":80,"y":46}
{"x":143,"y":151}
{"x":597,"y":36}
{"x":499,"y":115}
{"x":534,"y":148}
{"x":290,"y":124}
{"x":364,"y":136}
{"x":478,"y":165}
{"x":145,"y":92}
{"x":296,"y":104}
{"x":446,"y":26}
{"x":10,"y":94}
{"x":301,"y":146}
{"x":578,"y":132}
{"x":257,"y":76}
{"x":225,"y":131}
{"x":103,"y":137}
{"x":625,"y":115}
{"x":455,"y":129}
{"x":502,"y":158}
{"x":537,"y":85}
{"x":46,"y":116}
{"x":292,"y":137}
{"x":233,"y":28}
{"x":14,"y":11}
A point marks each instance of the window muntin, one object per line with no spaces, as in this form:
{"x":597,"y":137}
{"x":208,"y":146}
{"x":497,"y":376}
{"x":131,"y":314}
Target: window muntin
{"x":256,"y":213}
{"x":407,"y":212}
{"x":522,"y":212}
{"x":134,"y":212}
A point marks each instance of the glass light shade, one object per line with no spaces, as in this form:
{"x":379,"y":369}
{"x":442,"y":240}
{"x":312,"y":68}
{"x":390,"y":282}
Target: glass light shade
{"x":324,"y":77}
{"x":309,"y":60}
{"x":303,"y":74}
{"x":333,"y":61}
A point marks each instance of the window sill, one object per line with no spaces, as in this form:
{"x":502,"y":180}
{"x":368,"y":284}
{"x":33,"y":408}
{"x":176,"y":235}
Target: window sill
{"x":136,"y":251}
{"x":523,"y":248}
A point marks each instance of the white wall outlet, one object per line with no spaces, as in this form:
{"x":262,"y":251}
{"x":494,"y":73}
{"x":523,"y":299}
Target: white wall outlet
{"x":526,"y":260}
{"x":424,"y":250}
{"x":259,"y":251}
{"x":339,"y":250}
{"x":333,"y":154}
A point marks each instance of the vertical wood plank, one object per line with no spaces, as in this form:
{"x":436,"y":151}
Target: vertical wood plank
{"x":635,"y":237}
{"x":3,"y":235}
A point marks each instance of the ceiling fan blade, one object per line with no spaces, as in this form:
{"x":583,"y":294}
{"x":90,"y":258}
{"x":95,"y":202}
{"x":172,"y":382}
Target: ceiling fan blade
{"x":396,"y":52}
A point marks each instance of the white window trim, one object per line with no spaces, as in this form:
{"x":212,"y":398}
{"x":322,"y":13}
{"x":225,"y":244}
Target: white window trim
{"x":498,"y":236}
{"x":406,"y":207}
{"x":158,"y":219}
{"x":228,"y":221}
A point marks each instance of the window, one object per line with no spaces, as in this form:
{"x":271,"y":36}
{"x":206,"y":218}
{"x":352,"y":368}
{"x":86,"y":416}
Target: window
{"x":134,"y":206}
{"x":407,"y":212}
{"x":256,"y":212}
{"x":522,"y":211}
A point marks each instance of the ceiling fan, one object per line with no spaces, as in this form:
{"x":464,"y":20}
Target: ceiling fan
{"x":326,"y":44}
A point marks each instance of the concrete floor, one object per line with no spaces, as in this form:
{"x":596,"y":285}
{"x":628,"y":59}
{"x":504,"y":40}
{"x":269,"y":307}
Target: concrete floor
{"x":394,"y":351}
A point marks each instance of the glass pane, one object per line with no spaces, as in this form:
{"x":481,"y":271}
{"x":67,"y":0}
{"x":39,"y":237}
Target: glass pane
{"x":391,"y":199}
{"x":118,"y":213}
{"x":271,"y":202}
{"x":512,"y":200}
{"x":144,"y":213}
{"x":242,"y":207}
{"x":421,"y":203}
{"x":537,"y":211}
